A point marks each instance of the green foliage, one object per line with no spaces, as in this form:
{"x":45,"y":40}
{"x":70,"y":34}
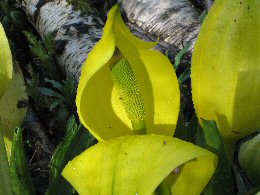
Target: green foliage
{"x":32,"y":89}
{"x":19,"y":19}
{"x":249,"y":159}
{"x":75,"y":141}
{"x":43,"y":51}
{"x":243,"y":185}
{"x":203,"y":16}
{"x":185,"y":75}
{"x":5,"y":184}
{"x":186,"y":132}
{"x":180,"y":55}
{"x":208,"y":137}
{"x":20,"y":177}
{"x":177,"y":61}
{"x":82,"y":5}
{"x":63,"y":93}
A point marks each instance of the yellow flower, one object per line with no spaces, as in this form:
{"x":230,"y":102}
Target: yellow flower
{"x":126,"y":87}
{"x":6,"y":65}
{"x":226,"y":69}
{"x":137,"y":164}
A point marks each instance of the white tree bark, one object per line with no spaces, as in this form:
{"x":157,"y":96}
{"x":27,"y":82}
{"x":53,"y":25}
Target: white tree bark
{"x":174,"y":21}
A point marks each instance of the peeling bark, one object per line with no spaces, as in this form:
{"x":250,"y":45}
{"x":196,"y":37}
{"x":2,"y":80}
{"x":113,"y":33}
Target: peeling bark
{"x":174,"y":21}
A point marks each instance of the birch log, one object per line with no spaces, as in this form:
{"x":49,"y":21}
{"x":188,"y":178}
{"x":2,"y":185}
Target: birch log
{"x":174,"y":21}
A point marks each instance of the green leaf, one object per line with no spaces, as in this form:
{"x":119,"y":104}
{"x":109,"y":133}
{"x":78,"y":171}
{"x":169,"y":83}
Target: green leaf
{"x":249,"y":159}
{"x":5,"y":184}
{"x":137,"y":164}
{"x":75,"y":141}
{"x":69,"y":90}
{"x":55,"y":103}
{"x":48,"y":42}
{"x":49,"y":92}
{"x":243,"y":185}
{"x":186,"y":133}
{"x":20,"y":176}
{"x":179,"y":56}
{"x":185,"y":75}
{"x":11,"y":115}
{"x":55,"y":84}
{"x":208,"y":137}
{"x":19,"y":19}
{"x":203,"y":16}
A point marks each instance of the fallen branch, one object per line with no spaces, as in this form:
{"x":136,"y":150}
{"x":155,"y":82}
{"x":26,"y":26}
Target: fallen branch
{"x":174,"y":21}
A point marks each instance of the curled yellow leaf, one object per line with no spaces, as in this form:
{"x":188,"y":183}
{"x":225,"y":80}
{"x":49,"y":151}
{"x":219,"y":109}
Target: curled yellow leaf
{"x":6,"y":66}
{"x":144,"y":95}
{"x":226,"y":69}
{"x":137,"y":164}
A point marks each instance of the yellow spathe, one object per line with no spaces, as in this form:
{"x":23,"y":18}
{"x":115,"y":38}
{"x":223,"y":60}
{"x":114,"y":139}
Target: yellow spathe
{"x":99,"y":106}
{"x":6,"y":65}
{"x":226,"y":69}
{"x":137,"y":164}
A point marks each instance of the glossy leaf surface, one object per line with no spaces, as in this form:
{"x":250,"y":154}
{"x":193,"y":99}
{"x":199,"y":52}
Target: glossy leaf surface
{"x":226,"y":69}
{"x":6,"y":66}
{"x":138,"y":164}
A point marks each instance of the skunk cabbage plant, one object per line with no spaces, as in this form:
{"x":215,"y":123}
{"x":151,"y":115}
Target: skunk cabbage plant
{"x":6,"y":65}
{"x":225,"y":69}
{"x":6,"y":71}
{"x":12,"y":90}
{"x":138,"y":164}
{"x":125,"y":89}
{"x":12,"y":116}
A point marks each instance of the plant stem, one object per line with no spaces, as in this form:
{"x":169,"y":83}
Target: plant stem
{"x":139,"y":127}
{"x":5,"y":184}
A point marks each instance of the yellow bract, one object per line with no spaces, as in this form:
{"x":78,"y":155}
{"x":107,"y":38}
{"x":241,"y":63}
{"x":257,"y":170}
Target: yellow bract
{"x":226,"y":69}
{"x":137,"y":164}
{"x":126,"y":88}
{"x":99,"y":105}
{"x":6,"y":66}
